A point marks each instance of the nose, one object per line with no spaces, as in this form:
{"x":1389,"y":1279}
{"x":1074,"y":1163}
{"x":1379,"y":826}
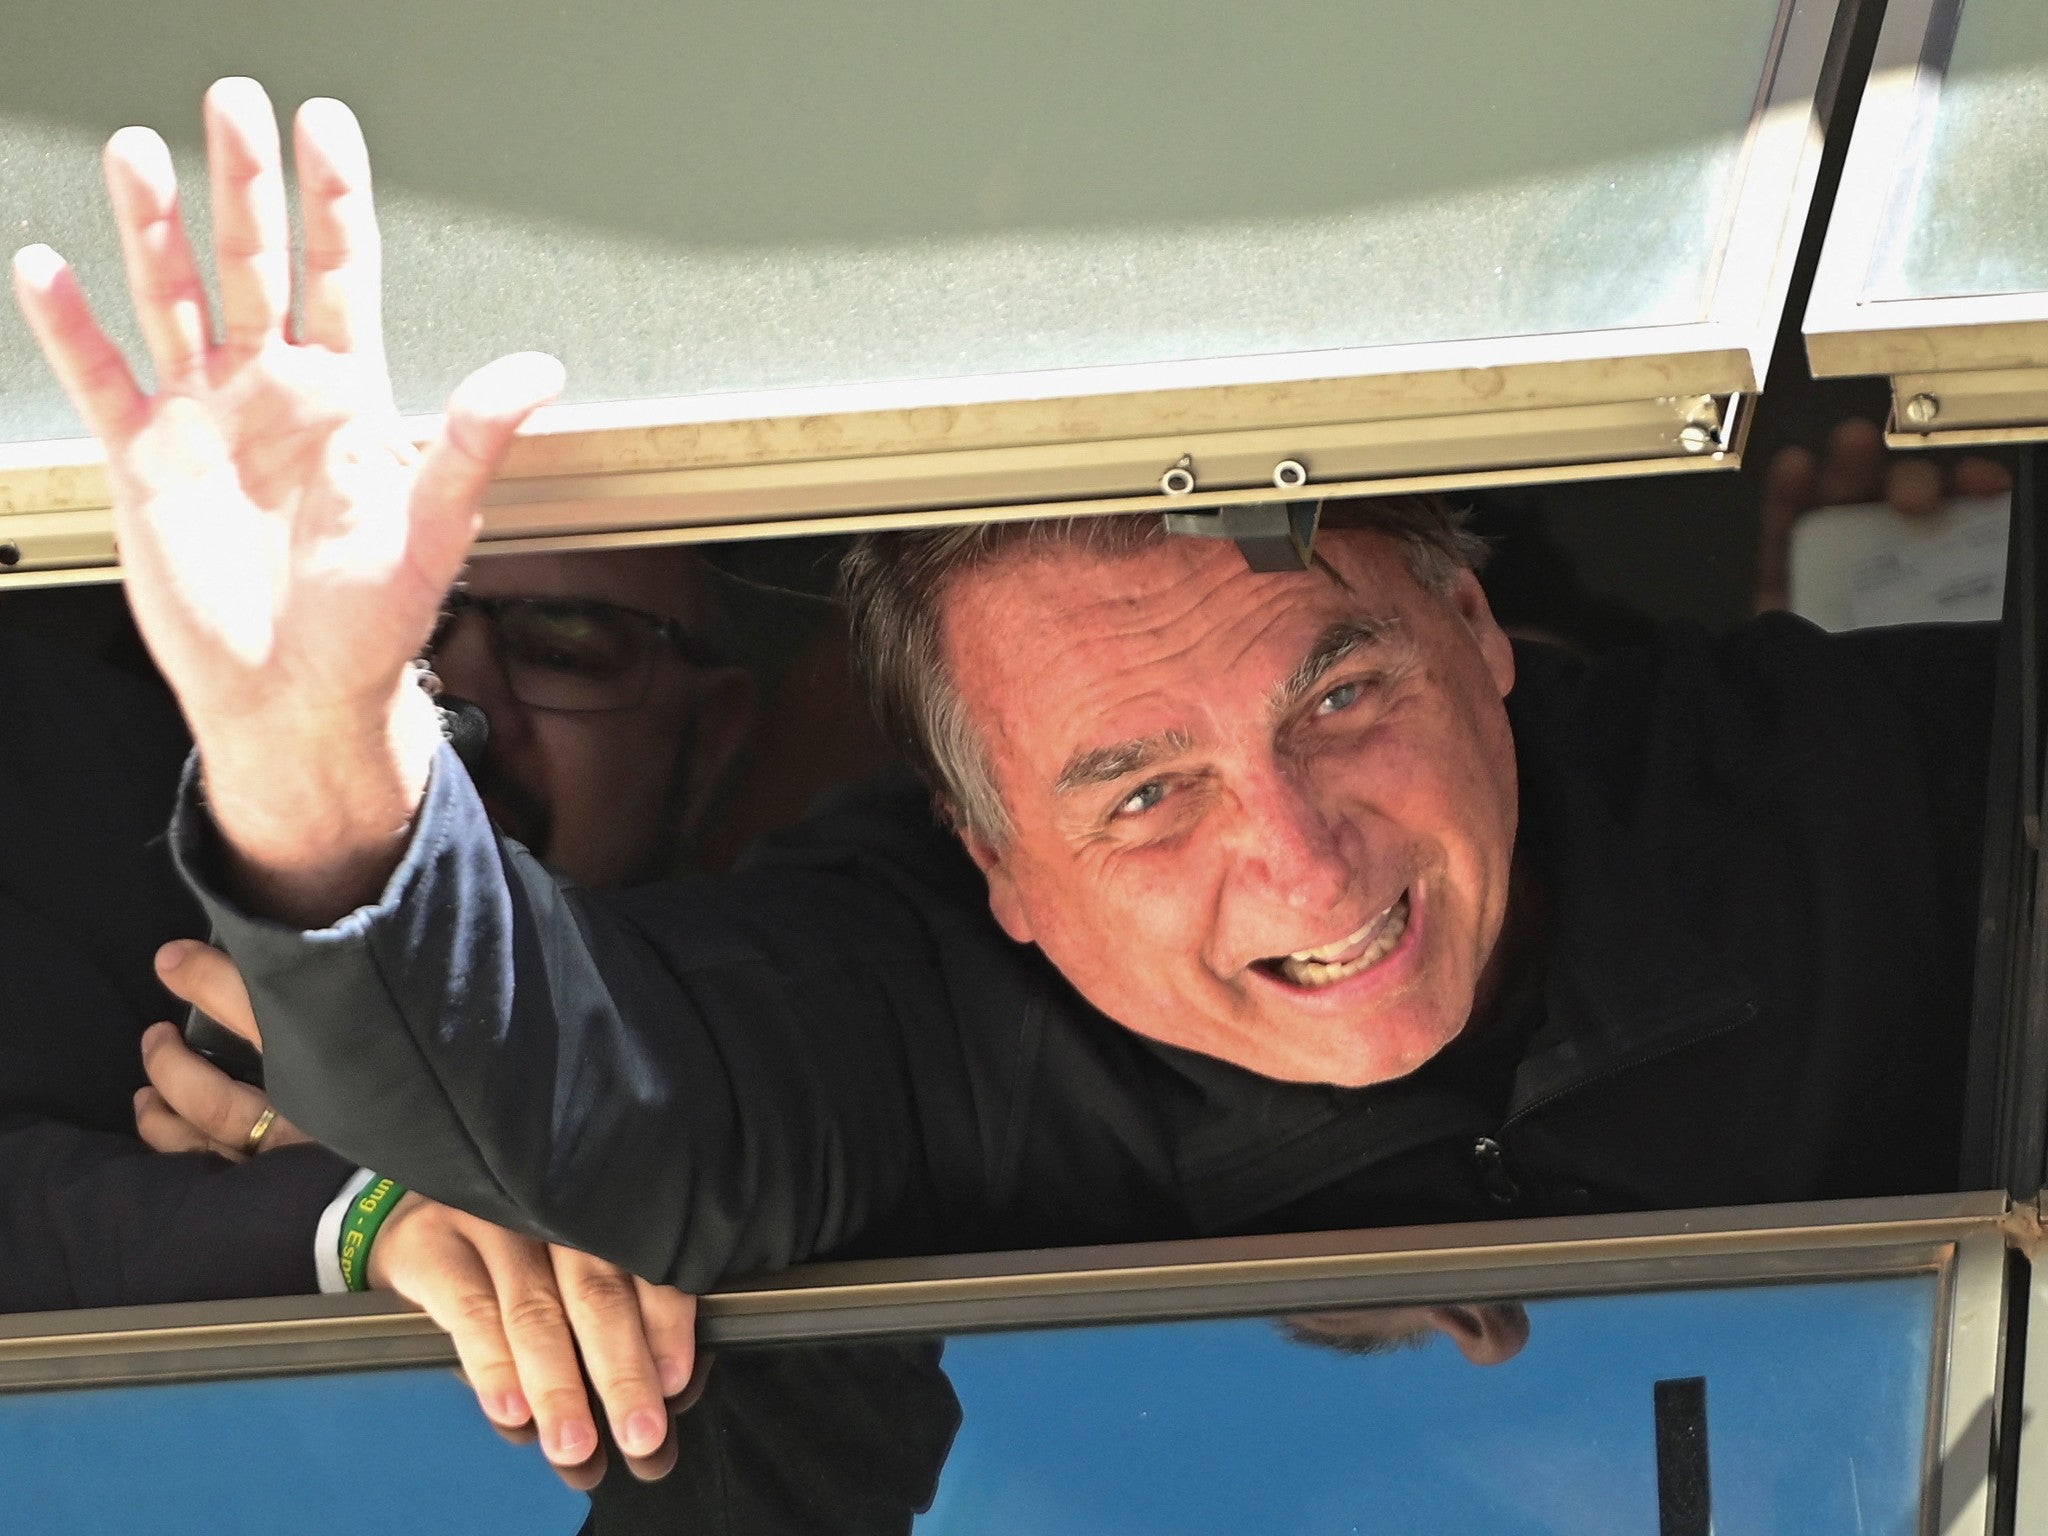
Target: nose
{"x":1290,"y":849}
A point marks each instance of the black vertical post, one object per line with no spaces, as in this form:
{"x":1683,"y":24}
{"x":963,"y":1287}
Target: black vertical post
{"x":1685,"y":1505}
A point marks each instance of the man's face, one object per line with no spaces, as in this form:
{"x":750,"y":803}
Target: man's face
{"x":1265,"y":817}
{"x":603,"y":797}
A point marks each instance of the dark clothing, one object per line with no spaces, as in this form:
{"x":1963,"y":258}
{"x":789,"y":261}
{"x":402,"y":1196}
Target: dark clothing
{"x":1757,"y":858}
{"x":846,"y":1437}
{"x":89,"y":1215}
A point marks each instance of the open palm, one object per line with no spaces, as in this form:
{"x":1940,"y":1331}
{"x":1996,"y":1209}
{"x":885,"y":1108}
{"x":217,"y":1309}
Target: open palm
{"x":286,"y":546}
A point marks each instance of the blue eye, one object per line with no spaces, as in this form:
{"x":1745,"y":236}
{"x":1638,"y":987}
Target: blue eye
{"x":1142,"y":799}
{"x":1342,"y":697}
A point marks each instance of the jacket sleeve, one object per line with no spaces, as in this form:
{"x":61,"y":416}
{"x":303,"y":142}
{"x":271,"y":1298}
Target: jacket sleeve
{"x":692,"y":1080}
{"x":97,"y":1219}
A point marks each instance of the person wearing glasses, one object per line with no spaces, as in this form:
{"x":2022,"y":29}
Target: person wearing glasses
{"x":1232,"y":900}
{"x":612,"y":715}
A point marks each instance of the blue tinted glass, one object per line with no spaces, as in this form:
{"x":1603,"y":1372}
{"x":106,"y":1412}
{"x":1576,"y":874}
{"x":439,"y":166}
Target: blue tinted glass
{"x":377,"y":1452}
{"x":1816,"y":1413}
{"x":1489,"y":1419}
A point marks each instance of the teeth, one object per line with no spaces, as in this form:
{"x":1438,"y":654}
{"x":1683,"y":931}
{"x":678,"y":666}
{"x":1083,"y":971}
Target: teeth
{"x":1321,"y":967}
{"x":1330,"y":952}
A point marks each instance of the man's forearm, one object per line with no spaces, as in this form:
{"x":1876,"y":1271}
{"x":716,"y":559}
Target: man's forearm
{"x":314,"y":814}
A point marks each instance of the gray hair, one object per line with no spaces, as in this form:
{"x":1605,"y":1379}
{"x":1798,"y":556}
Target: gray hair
{"x":894,"y":586}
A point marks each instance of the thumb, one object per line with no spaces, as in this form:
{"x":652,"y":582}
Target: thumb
{"x":484,"y":413}
{"x":205,"y":977}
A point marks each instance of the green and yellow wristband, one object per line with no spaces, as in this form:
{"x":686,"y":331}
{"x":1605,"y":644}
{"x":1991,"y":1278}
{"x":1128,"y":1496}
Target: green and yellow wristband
{"x":366,"y":1213}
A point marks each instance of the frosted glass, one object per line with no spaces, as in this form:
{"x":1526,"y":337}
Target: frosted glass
{"x":1975,"y":220}
{"x":697,"y":198}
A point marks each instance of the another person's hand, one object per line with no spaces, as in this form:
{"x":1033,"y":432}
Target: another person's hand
{"x":1858,"y":468}
{"x":191,"y":1105}
{"x":519,"y":1310}
{"x":286,"y":548}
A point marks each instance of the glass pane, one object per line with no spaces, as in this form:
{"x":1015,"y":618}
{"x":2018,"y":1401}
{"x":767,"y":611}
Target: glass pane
{"x":681,"y":200}
{"x":1969,"y":215}
{"x":1794,"y":1408}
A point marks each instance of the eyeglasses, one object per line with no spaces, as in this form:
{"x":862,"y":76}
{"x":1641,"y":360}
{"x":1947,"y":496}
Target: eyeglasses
{"x":573,"y":654}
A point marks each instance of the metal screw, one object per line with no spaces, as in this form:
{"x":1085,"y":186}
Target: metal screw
{"x":1289,"y":473}
{"x":1696,"y":439}
{"x":1921,"y":410}
{"x":10,"y":554}
{"x":1180,"y":479}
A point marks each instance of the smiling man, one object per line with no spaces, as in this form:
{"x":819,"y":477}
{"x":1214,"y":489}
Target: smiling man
{"x":1277,"y":901}
{"x":1267,"y":818}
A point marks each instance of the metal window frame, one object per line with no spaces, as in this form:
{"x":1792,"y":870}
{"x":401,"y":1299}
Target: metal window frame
{"x":1964,"y":1240}
{"x":1374,"y":420}
{"x":1966,"y":370}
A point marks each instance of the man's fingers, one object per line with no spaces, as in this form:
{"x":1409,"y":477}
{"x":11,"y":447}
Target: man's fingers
{"x":203,"y":976}
{"x":448,"y":1279}
{"x":161,"y":1127}
{"x":163,"y":279}
{"x":95,"y":375}
{"x":251,"y":231}
{"x":1975,"y":476}
{"x":603,"y":1306}
{"x":669,"y":1317}
{"x":537,"y":1331}
{"x":343,"y":297}
{"x":485,"y":411}
{"x":213,"y":1103}
{"x":1855,"y":465}
{"x":1913,"y":486}
{"x":1790,"y":483}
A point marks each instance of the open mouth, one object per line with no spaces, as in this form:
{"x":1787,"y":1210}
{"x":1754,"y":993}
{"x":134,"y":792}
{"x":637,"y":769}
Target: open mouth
{"x":1347,"y":957}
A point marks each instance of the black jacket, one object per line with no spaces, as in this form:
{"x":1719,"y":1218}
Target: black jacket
{"x":1759,"y":860}
{"x":89,"y":1216}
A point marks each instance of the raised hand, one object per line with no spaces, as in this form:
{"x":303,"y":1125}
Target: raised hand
{"x":1857,"y":468}
{"x":286,"y":548}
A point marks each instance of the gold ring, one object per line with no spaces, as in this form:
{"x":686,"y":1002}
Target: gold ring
{"x":253,"y":1142}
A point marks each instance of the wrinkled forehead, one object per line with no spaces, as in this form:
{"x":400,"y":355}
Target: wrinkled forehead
{"x":664,"y":581}
{"x":1051,"y":643}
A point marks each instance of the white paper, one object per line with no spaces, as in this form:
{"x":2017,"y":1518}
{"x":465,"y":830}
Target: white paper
{"x":1852,"y":567}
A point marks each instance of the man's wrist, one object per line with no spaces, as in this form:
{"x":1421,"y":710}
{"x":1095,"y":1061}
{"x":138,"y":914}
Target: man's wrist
{"x":327,"y":1235}
{"x":314,"y":813}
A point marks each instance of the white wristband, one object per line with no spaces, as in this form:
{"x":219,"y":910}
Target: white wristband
{"x":327,"y":1236}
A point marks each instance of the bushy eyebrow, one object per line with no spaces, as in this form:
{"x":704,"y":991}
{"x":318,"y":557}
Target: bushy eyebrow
{"x":1105,"y":765}
{"x":1336,"y":644}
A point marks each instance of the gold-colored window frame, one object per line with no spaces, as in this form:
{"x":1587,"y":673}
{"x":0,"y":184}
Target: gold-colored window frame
{"x":1964,"y":370}
{"x":1375,"y":420}
{"x":1963,"y":1239}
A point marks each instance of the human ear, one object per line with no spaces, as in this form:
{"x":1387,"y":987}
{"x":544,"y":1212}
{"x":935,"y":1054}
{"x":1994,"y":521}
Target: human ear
{"x":1004,"y":899}
{"x":1468,"y":599}
{"x":1488,"y":1333}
